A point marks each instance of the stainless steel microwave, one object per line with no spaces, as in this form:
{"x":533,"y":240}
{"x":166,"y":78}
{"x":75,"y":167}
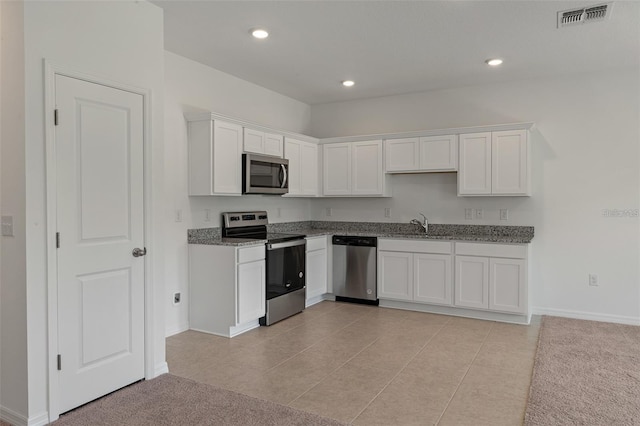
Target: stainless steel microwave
{"x":262,"y":174}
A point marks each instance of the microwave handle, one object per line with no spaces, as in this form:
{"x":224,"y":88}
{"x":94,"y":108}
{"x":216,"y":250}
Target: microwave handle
{"x":284,"y":173}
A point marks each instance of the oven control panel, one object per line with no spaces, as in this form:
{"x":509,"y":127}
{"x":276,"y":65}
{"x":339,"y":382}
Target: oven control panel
{"x":243,"y":219}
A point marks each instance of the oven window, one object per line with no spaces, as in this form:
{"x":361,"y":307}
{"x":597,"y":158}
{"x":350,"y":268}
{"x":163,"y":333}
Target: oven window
{"x":284,"y":267}
{"x":266,"y":175}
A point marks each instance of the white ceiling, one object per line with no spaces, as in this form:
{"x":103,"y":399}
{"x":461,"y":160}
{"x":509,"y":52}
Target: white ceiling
{"x":394,"y":47}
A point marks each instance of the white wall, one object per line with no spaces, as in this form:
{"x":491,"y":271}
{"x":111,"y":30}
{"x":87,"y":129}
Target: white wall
{"x":192,"y":86}
{"x":121,"y":42}
{"x":13,"y":294}
{"x":585,"y":159}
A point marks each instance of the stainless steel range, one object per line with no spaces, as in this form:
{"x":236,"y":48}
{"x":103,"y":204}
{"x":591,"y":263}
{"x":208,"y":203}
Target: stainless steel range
{"x":285,"y":263}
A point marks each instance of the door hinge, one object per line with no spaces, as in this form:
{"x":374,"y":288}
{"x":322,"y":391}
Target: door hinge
{"x":55,"y":117}
{"x":57,"y":240}
{"x":59,"y":362}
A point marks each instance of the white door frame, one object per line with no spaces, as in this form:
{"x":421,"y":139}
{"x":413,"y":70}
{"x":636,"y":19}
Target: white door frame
{"x":50,"y":71}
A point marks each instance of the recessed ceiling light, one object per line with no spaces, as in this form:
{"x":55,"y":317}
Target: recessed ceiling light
{"x":259,"y":33}
{"x":348,"y":83}
{"x":494,"y":62}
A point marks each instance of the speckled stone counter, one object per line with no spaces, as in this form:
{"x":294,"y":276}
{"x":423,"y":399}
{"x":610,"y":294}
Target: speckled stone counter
{"x":477,"y":233}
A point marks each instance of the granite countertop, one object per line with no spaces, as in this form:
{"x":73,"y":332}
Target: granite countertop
{"x":470,"y":233}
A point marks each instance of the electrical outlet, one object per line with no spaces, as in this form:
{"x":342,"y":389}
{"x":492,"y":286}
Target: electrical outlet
{"x":479,"y":213}
{"x":593,"y":280}
{"x":7,"y":226}
{"x":178,"y":215}
{"x":468,"y":214}
{"x":504,"y":214}
{"x":328,"y":212}
{"x":207,"y":215}
{"x":387,"y":212}
{"x":176,"y":298}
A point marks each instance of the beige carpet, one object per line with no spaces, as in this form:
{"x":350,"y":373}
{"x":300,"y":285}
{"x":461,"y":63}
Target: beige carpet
{"x":585,"y":373}
{"x":172,"y":400}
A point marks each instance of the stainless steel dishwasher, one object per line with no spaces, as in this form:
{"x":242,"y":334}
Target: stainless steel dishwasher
{"x":355,"y":269}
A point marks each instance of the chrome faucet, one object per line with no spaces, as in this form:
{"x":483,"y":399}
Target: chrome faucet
{"x":424,"y":223}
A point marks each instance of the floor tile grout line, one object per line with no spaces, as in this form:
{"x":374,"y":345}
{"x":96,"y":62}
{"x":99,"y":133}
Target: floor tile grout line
{"x":400,"y":371}
{"x":465,"y":374}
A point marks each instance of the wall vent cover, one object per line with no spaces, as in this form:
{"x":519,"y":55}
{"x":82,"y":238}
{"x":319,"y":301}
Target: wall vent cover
{"x":584,"y":15}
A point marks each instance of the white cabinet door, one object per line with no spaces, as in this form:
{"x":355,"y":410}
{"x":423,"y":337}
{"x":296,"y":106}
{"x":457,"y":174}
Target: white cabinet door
{"x":508,"y":285}
{"x":395,"y":275}
{"x":472,"y":282}
{"x":367,"y":172}
{"x":292,"y":153}
{"x":316,"y":273}
{"x":401,"y":154}
{"x":509,"y":163}
{"x":309,"y":169}
{"x":273,"y":144}
{"x":439,"y":153}
{"x":251,"y":291}
{"x":227,"y":155}
{"x":337,"y":169}
{"x":253,"y":141}
{"x":474,"y":167}
{"x":432,"y":278}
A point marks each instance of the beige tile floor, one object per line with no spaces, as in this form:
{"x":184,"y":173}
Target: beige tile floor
{"x":366,"y":365}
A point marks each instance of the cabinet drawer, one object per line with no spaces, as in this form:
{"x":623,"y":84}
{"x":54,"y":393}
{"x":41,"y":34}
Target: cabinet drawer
{"x":415,"y":246}
{"x":492,"y":250}
{"x":316,"y":243}
{"x":249,"y":254}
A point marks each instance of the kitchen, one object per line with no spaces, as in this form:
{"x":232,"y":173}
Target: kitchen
{"x":584,"y":160}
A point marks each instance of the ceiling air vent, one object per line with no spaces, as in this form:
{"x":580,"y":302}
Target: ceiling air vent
{"x":584,"y":15}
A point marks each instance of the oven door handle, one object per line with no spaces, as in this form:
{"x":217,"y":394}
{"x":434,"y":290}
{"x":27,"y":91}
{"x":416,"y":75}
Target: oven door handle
{"x":293,"y":243}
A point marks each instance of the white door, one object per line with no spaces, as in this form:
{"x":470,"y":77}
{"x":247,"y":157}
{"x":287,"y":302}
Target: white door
{"x":474,"y":165}
{"x":432,"y":278}
{"x":395,"y":275}
{"x":507,"y":285}
{"x":99,"y":163}
{"x":366,"y":157}
{"x":472,"y":282}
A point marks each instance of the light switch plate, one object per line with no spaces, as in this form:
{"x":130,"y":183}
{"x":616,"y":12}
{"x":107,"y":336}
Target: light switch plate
{"x":7,"y":226}
{"x":504,"y":214}
{"x":207,"y":215}
{"x":387,"y":212}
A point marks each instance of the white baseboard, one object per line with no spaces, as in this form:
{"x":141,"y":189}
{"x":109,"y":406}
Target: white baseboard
{"x":12,"y":417}
{"x":318,"y":299}
{"x":590,"y":316}
{"x":160,"y":369}
{"x":17,"y":419}
{"x":176,"y":329}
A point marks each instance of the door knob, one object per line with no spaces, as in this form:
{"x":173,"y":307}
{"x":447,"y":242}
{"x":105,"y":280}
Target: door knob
{"x":137,"y":252}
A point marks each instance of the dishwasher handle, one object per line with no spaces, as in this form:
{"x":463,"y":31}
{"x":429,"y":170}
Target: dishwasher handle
{"x":350,"y":240}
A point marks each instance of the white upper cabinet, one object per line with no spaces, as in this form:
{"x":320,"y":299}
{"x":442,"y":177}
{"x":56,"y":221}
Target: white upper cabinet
{"x":337,"y":169}
{"x":510,"y":163}
{"x":215,"y":152}
{"x":439,"y":153}
{"x":263,"y":143}
{"x":303,"y":167}
{"x":402,"y":155}
{"x":494,"y":163}
{"x":353,"y":168}
{"x":423,"y":154}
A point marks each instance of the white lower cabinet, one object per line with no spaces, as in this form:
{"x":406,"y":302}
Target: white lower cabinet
{"x":316,"y":269}
{"x":251,"y":291}
{"x":455,"y":278}
{"x":226,"y":288}
{"x":415,"y":271}
{"x":491,"y":277}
